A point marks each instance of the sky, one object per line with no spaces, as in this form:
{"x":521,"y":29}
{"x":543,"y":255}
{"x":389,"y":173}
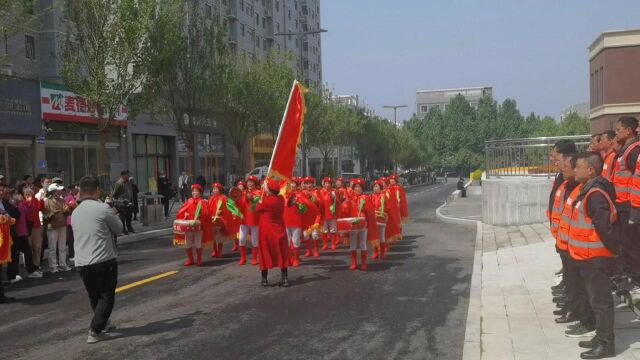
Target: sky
{"x":533,"y":51}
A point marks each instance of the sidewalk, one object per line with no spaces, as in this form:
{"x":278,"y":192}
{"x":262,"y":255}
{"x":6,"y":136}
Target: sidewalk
{"x":510,"y":311}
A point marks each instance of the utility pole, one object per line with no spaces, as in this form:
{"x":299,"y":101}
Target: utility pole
{"x":395,"y":122}
{"x":301,"y":36}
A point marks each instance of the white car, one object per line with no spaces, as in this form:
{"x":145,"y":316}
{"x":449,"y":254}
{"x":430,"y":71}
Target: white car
{"x":258,"y":172}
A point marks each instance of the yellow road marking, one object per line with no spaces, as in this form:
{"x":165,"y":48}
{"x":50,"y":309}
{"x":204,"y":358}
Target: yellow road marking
{"x":145,"y":281}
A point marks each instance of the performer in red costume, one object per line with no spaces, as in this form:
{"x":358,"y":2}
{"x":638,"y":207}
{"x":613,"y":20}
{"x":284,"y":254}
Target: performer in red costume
{"x":196,"y":209}
{"x":401,"y":195}
{"x":242,"y":186}
{"x":274,"y":250}
{"x":226,"y":218}
{"x":313,"y":221}
{"x":330,"y":200}
{"x":298,"y":207}
{"x":360,"y":205}
{"x":393,"y":230}
{"x":249,"y":226}
{"x":380,"y":199}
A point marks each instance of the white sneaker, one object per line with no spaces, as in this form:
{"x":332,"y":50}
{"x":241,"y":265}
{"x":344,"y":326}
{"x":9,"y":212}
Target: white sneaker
{"x":65,"y":268}
{"x":109,"y":328}
{"x":35,"y":275}
{"x":94,"y":338}
{"x":16,"y":280}
{"x":54,"y":270}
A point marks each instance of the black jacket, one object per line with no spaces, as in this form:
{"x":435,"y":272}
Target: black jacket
{"x":599,"y":211}
{"x":164,"y":187}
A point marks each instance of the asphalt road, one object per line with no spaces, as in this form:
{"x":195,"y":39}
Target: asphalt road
{"x":411,"y":306}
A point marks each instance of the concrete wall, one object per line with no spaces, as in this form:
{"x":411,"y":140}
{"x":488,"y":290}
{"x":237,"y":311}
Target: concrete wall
{"x":515,"y":201}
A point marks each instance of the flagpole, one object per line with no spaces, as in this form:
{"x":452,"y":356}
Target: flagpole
{"x":284,"y":118}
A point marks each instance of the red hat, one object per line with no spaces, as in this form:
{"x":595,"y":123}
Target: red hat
{"x":309,"y":179}
{"x":254,"y":179}
{"x":355,"y":182}
{"x":196,"y":186}
{"x":273,"y":185}
{"x":296,"y":180}
{"x":242,"y":183}
{"x":379,"y":182}
{"x":218,"y":185}
{"x":340,"y":179}
{"x":394,"y":177}
{"x":327,"y":179}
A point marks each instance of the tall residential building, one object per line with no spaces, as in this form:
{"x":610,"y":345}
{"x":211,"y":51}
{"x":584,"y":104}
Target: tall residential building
{"x":254,"y":26}
{"x":614,"y":78}
{"x":428,"y":99}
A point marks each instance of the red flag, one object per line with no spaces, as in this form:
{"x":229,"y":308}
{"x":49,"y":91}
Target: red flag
{"x":283,"y":159}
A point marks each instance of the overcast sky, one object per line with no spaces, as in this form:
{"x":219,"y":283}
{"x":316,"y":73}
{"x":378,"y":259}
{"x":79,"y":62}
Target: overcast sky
{"x":532,"y":51}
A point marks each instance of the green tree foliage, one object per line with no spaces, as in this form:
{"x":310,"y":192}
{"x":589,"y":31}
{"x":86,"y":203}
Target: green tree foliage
{"x":106,"y":54}
{"x":455,"y":138}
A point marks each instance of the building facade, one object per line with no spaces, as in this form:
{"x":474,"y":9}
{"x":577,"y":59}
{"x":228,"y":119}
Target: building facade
{"x":581,"y":109}
{"x":45,"y":128}
{"x":614,"y":78}
{"x":428,"y":99}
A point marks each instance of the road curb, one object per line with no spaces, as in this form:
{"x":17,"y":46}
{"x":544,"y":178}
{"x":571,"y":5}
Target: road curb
{"x":472,"y":349}
{"x":145,"y":235}
{"x":453,"y":220}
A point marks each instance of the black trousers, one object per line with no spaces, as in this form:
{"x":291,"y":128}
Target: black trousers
{"x":598,"y":288}
{"x":165,"y":202}
{"x":125,"y":214}
{"x":629,"y":246}
{"x":576,"y":293}
{"x":100,"y":280}
{"x":72,"y":253}
{"x":20,"y":245}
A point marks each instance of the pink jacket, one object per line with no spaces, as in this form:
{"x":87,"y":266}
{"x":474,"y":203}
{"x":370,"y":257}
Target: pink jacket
{"x":22,"y":227}
{"x":70,"y":200}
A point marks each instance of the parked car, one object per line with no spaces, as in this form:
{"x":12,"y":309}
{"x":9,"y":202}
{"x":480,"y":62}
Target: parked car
{"x":258,"y":172}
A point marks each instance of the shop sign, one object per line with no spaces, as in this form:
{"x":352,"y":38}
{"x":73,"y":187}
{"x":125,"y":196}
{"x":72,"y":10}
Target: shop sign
{"x":59,"y":103}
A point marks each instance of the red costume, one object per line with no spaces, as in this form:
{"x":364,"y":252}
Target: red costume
{"x":274,"y":249}
{"x":382,"y":210}
{"x":361,"y":205}
{"x":226,"y":218}
{"x":196,"y":209}
{"x":249,"y":226}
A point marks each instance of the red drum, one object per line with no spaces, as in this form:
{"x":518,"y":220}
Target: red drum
{"x":351,"y":224}
{"x":181,"y":227}
{"x":381,"y":219}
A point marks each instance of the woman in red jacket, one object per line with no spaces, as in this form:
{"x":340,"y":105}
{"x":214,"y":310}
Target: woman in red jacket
{"x":360,"y":205}
{"x":380,"y":199}
{"x":274,"y":250}
{"x":225,"y":218}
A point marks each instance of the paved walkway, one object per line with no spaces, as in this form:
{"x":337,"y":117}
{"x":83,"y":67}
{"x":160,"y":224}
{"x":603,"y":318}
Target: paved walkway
{"x":510,"y":312}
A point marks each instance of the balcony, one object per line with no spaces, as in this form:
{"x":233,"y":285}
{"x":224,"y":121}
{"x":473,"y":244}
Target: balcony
{"x":232,"y":10}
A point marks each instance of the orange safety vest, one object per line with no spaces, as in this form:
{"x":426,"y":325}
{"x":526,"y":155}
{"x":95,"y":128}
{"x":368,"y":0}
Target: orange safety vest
{"x":623,"y":176}
{"x":634,"y":189}
{"x":556,"y":208}
{"x":609,"y":165}
{"x":562,"y":240}
{"x":584,"y":240}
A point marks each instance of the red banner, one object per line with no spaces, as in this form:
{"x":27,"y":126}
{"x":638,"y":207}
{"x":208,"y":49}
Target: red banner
{"x":283,"y":160}
{"x":5,"y":238}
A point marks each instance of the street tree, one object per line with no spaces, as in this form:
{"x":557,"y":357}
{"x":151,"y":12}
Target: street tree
{"x":106,"y":52}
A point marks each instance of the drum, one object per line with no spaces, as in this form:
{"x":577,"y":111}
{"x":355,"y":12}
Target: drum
{"x":381,"y":218}
{"x":351,"y":224}
{"x":181,"y":227}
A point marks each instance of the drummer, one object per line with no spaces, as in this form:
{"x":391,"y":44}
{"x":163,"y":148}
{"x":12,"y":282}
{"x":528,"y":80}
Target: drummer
{"x":361,"y":206}
{"x":199,"y":229}
{"x":380,"y":200}
{"x":225,"y":218}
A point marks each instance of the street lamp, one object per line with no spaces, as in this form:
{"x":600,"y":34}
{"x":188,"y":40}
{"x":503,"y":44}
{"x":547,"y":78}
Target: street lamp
{"x":301,"y":35}
{"x":395,"y":122}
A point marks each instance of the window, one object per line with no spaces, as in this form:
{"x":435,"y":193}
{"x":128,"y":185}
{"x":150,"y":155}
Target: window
{"x":30,"y":47}
{"x":424,"y":108}
{"x":289,"y":15}
{"x":208,"y":11}
{"x":277,"y":26}
{"x":264,"y":23}
{"x":295,"y":4}
{"x":264,"y":44}
{"x":305,"y":46}
{"x":306,"y":65}
{"x":6,"y":43}
{"x":242,"y":29}
{"x":224,"y":2}
{"x":257,"y":41}
{"x":242,"y":5}
{"x":277,"y":5}
{"x":257,"y":20}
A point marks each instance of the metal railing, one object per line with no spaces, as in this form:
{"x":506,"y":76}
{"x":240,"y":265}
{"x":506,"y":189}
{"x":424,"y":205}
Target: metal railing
{"x":525,"y":157}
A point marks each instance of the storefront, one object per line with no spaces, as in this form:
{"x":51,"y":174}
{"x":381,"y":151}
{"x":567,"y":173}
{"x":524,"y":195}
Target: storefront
{"x":20,"y":125}
{"x":261,"y":150}
{"x":71,"y":137}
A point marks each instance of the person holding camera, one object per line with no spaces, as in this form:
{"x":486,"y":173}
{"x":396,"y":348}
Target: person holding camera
{"x":55,"y":213}
{"x":123,"y":200}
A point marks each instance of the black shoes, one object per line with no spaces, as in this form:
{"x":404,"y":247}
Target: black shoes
{"x":567,"y":318}
{"x":560,"y":299}
{"x":600,"y":351}
{"x":264,"y":281}
{"x":589,"y":344}
{"x":558,"y":287}
{"x":560,"y":312}
{"x":581,"y":331}
{"x":284,"y":281}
